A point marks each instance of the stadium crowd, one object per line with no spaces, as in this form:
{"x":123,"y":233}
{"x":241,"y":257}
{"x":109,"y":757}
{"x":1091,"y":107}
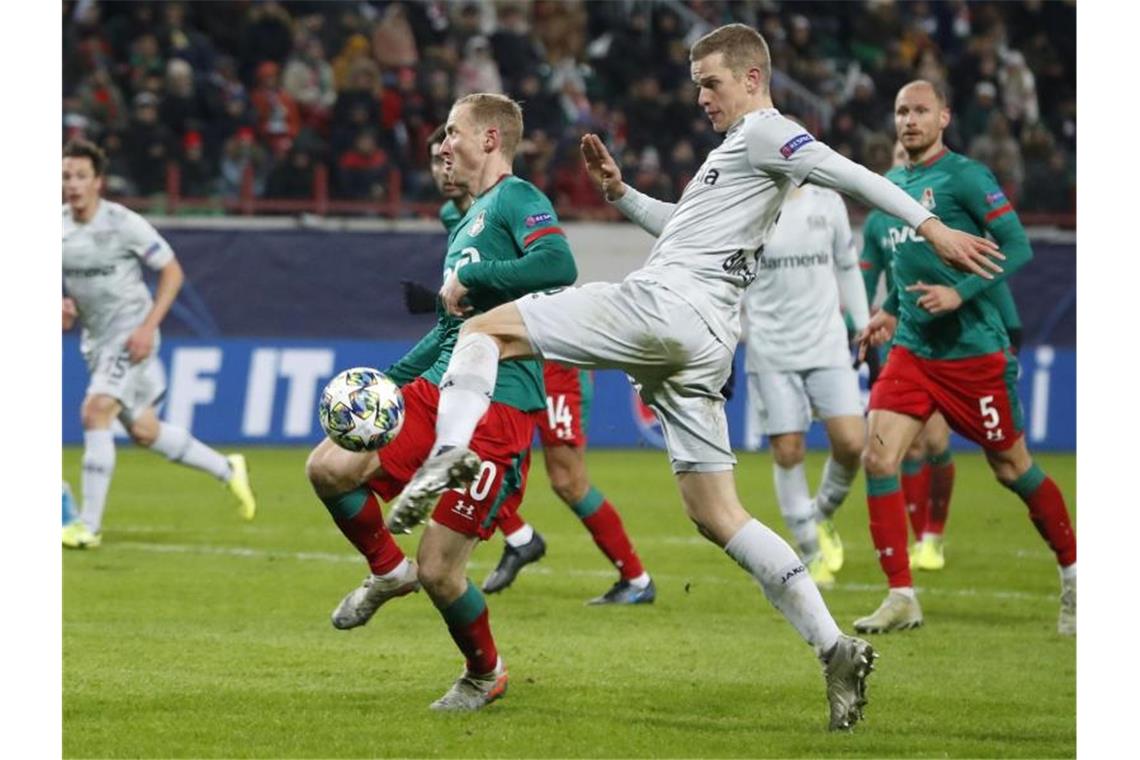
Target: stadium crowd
{"x":264,"y":93}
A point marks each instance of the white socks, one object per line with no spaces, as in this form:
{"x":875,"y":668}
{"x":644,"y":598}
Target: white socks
{"x":466,"y":388}
{"x":833,"y":487}
{"x":98,"y":466}
{"x":1069,"y":574}
{"x":796,"y":507}
{"x":521,"y":537}
{"x":177,"y":445}
{"x":785,"y":582}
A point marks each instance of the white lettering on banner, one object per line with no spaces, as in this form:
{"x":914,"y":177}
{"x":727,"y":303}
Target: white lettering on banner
{"x":260,"y":389}
{"x":304,"y":367}
{"x":1039,"y":414}
{"x":190,"y":383}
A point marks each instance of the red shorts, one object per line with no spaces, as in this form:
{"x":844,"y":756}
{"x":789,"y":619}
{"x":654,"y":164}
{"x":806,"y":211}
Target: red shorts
{"x":977,"y":395}
{"x":569,"y":393}
{"x":502,"y":441}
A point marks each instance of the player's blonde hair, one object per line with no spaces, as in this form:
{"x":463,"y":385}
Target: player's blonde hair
{"x":489,"y":109}
{"x":743,"y":48}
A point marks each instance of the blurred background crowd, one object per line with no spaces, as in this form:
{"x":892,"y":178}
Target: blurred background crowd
{"x":232,"y":103}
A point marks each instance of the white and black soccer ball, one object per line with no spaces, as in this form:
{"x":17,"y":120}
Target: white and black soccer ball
{"x":361,"y":409}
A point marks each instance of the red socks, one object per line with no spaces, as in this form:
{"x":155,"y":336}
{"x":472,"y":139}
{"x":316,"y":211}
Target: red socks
{"x":357,"y":514}
{"x":888,"y":528}
{"x":610,"y":536}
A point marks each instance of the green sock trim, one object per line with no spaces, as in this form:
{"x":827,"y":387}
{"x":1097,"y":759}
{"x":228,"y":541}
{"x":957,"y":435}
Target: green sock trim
{"x":881,"y":486}
{"x":1029,"y":482}
{"x":588,"y":504}
{"x":346,"y":506}
{"x":464,"y":610}
{"x":938,"y":460}
{"x":913,"y":466}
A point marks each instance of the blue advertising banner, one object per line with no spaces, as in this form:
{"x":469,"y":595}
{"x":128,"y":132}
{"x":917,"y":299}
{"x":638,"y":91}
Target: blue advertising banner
{"x":264,"y":391}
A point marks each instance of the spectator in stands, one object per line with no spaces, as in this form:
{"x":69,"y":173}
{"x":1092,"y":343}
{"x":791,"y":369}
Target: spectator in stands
{"x":308,"y":78}
{"x":997,"y":149}
{"x":1049,"y":185}
{"x":515,"y":51}
{"x":117,"y":176}
{"x":145,"y":60}
{"x":147,"y":146}
{"x":393,"y":43}
{"x":180,"y":40}
{"x":268,"y":36}
{"x":243,"y":160}
{"x":357,"y":106}
{"x":478,"y":71}
{"x":277,"y":116}
{"x":102,"y":101}
{"x":356,"y":49}
{"x":1018,"y":91}
{"x":866,"y":111}
{"x":682,"y":165}
{"x":877,"y":153}
{"x":976,"y":116}
{"x":363,"y":171}
{"x":543,"y":111}
{"x":293,"y":177}
{"x":644,"y":111}
{"x":199,"y":174}
{"x":183,"y":109}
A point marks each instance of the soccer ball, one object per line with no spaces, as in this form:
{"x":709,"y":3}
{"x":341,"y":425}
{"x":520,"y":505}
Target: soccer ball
{"x":361,"y":409}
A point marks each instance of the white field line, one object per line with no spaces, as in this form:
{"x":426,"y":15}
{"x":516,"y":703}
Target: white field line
{"x":261,"y":554}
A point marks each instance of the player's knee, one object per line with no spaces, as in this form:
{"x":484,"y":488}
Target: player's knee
{"x":439,"y":579}
{"x":568,"y":485}
{"x":143,"y":435}
{"x":98,"y":412}
{"x":324,"y":475}
{"x":877,"y":463}
{"x":847,"y":448}
{"x":788,"y":450}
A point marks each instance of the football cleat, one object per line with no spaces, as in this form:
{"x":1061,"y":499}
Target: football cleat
{"x":927,"y":553}
{"x":624,"y":592}
{"x":821,"y":573}
{"x":471,"y":692}
{"x":76,"y":535}
{"x":513,"y":560}
{"x":830,"y":546}
{"x":451,"y":467}
{"x":845,"y":669}
{"x":1067,"y":618}
{"x":240,"y":488}
{"x":358,"y":607}
{"x":898,"y":612}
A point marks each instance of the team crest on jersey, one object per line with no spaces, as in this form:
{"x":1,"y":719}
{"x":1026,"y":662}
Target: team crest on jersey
{"x":477,"y":225}
{"x":927,"y":198}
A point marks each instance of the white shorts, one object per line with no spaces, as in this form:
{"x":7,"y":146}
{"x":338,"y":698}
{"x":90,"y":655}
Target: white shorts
{"x":785,"y":402}
{"x":137,"y":387}
{"x":660,"y":341}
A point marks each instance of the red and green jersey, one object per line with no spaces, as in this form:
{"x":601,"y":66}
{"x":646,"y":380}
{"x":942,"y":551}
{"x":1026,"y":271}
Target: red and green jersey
{"x":508,"y":244}
{"x":965,"y":196}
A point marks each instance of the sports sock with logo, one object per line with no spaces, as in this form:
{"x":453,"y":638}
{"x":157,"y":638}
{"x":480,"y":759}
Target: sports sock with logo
{"x":465,"y":390}
{"x":605,"y":526}
{"x":469,"y":623}
{"x":888,"y":528}
{"x":941,"y":487}
{"x":176,"y":444}
{"x":916,"y":493}
{"x":834,"y":487}
{"x":358,"y":515}
{"x":796,"y":507}
{"x":98,"y":467}
{"x":785,"y":582}
{"x":1048,"y":512}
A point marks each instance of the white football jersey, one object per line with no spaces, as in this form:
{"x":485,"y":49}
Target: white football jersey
{"x":792,"y":310}
{"x":707,"y":251}
{"x":102,"y":270}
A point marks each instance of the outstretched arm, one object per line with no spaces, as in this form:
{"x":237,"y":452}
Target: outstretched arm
{"x":648,"y":213}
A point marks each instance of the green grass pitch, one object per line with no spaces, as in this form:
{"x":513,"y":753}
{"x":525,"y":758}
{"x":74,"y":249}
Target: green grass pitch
{"x":191,"y":634}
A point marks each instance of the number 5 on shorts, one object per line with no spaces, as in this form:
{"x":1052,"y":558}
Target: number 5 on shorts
{"x":990,"y":417}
